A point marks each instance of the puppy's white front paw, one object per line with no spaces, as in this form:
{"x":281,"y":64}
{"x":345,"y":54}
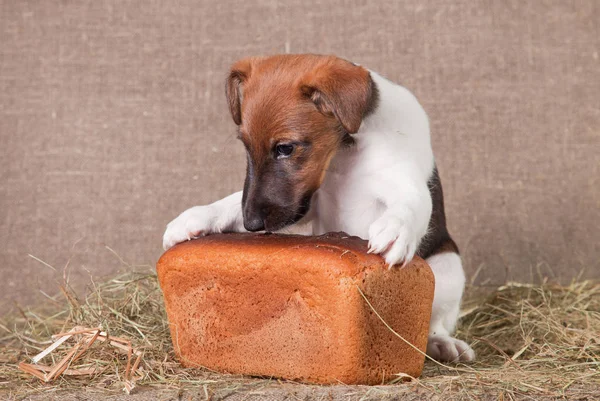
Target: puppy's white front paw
{"x":444,"y":348}
{"x":394,"y":239}
{"x":194,"y":222}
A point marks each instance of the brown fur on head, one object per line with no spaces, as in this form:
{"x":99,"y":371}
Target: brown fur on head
{"x":293,"y":113}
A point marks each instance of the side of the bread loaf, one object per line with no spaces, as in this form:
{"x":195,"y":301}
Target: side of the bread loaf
{"x":402,"y":299}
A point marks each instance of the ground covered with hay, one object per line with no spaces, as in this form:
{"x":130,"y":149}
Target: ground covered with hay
{"x":532,"y":342}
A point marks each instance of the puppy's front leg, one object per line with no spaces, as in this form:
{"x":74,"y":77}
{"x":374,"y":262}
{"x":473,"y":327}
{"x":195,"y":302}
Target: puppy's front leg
{"x":396,"y":234}
{"x":224,"y":215}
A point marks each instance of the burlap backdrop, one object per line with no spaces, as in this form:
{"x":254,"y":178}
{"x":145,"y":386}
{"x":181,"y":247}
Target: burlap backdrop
{"x":113,"y":120}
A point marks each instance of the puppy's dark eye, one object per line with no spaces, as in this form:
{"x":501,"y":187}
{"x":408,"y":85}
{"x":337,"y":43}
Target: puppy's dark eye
{"x":284,"y":150}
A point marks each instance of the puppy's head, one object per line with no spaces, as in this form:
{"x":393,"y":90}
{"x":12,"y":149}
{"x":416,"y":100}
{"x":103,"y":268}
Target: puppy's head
{"x":293,"y":112}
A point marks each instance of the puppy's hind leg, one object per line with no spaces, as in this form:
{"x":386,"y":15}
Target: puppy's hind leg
{"x":449,"y":285}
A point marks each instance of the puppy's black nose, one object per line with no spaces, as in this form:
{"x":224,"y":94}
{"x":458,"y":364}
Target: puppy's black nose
{"x":256,"y":223}
{"x":255,"y":212}
{"x":254,"y":217}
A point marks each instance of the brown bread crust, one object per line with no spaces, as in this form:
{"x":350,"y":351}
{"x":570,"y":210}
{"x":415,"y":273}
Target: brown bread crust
{"x":290,"y":307}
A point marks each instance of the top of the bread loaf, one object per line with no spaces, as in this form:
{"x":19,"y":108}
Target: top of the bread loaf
{"x":349,"y":253}
{"x":339,"y":240}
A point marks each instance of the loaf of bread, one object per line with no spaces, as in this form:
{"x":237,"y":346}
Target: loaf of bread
{"x":291,"y":307}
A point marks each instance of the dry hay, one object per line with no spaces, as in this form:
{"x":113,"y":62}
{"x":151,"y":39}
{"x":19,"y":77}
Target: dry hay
{"x":532,"y":342}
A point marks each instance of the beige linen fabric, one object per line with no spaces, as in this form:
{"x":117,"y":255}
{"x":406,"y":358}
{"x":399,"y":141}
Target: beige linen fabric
{"x":113,"y":120}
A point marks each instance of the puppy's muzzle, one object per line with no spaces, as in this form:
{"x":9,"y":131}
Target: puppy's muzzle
{"x":259,"y":216}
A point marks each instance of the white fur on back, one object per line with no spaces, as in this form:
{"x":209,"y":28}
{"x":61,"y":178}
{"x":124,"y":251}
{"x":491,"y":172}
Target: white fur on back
{"x":392,"y":153}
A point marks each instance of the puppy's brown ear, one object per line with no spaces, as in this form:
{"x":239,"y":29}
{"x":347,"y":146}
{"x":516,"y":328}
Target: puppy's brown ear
{"x":240,"y":72}
{"x":342,"y":89}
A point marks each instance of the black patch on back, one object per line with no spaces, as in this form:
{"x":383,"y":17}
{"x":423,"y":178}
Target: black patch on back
{"x":438,"y":239}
